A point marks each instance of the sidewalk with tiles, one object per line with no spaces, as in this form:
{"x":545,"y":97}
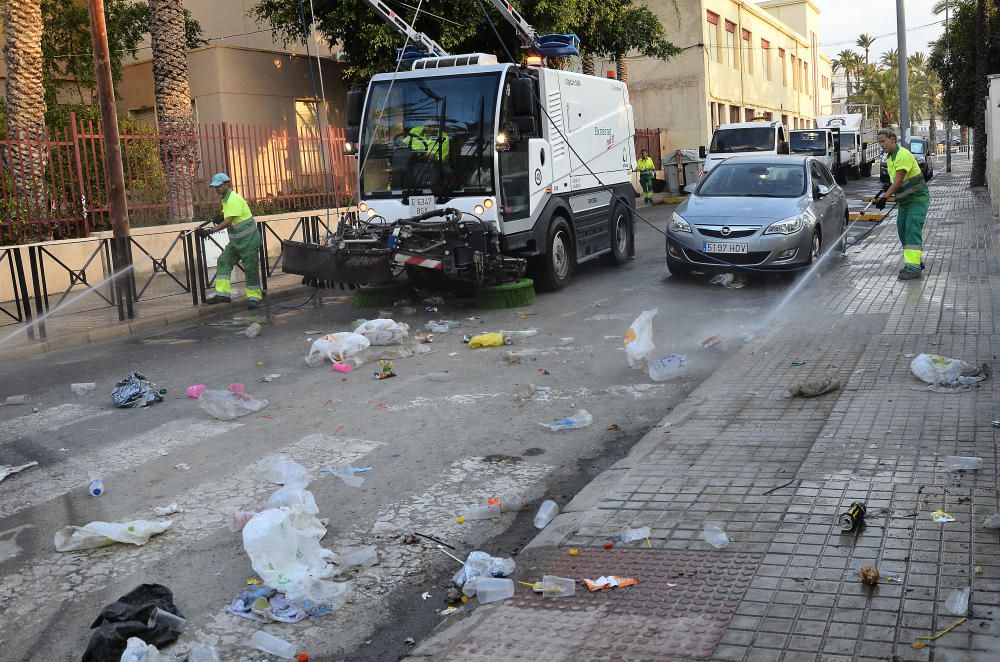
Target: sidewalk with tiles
{"x":777,"y":472}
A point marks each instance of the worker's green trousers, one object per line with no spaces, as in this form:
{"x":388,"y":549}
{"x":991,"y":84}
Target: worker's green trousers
{"x":242,"y":251}
{"x":910,"y":215}
{"x":646,"y":180}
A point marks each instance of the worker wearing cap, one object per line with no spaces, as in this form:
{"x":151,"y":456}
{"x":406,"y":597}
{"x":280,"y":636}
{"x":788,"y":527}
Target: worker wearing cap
{"x":243,"y":247}
{"x":913,"y":198}
{"x":646,"y":168}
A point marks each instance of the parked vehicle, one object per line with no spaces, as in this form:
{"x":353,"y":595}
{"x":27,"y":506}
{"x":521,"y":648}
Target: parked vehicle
{"x":824,"y":145}
{"x":918,"y":146}
{"x":858,"y":142}
{"x":757,"y":138}
{"x":768,"y":212}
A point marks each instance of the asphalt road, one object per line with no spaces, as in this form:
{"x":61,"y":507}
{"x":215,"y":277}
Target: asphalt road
{"x":435,"y":448}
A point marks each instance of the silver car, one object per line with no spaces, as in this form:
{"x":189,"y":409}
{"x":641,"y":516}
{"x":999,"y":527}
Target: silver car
{"x":762,"y":213}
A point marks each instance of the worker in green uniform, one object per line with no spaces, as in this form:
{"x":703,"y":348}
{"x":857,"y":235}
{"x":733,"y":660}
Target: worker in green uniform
{"x":243,"y":247}
{"x":913,"y":198}
{"x":422,"y":140}
{"x":646,"y":168}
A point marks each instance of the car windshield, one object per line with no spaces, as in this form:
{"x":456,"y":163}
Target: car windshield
{"x":847,"y":141}
{"x":917,"y":147}
{"x":429,"y":136}
{"x":807,"y":141}
{"x":765,"y":180}
{"x":751,"y":139}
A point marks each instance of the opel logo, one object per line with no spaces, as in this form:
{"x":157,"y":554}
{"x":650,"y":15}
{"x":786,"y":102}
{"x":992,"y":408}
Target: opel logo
{"x":726,"y":231}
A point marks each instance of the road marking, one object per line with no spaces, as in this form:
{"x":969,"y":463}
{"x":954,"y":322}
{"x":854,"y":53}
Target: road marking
{"x":635,"y":391}
{"x":609,"y":316}
{"x":54,"y":481}
{"x":47,"y":420}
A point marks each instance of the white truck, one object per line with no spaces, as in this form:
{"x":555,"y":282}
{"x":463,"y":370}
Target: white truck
{"x":858,"y":141}
{"x":755,"y":138}
{"x":469,"y":168}
{"x":824,"y":144}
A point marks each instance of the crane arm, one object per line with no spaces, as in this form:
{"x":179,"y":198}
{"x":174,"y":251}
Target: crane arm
{"x":525,"y":32}
{"x":548,"y":45}
{"x":418,"y":39}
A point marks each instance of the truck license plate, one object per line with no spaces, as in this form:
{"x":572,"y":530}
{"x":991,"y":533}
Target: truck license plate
{"x":420,"y":204}
{"x":720,"y":247}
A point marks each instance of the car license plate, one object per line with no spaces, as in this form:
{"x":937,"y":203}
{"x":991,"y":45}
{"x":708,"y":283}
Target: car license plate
{"x":420,"y":204}
{"x":724,"y":247}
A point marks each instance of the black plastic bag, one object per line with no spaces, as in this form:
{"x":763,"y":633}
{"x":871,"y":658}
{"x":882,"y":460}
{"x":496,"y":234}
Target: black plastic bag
{"x":129,"y":617}
{"x":136,"y":391}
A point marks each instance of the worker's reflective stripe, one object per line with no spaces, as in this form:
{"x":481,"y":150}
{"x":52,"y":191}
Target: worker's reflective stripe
{"x":242,"y":228}
{"x":911,"y":256}
{"x":911,"y":187}
{"x":223,"y":286}
{"x":254,"y":294}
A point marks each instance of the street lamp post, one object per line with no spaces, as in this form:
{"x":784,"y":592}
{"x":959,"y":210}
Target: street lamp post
{"x":947,"y":59}
{"x":904,"y":87}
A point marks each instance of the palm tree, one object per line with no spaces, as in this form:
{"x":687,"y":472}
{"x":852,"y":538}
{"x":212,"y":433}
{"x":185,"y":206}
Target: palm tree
{"x":849,"y":62}
{"x":889,"y":59}
{"x":178,"y":147}
{"x":26,"y":162}
{"x":978,"y":176}
{"x":865,"y":41}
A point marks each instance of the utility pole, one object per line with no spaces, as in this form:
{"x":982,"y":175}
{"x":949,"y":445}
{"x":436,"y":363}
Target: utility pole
{"x":120,"y":254}
{"x":904,"y":85}
{"x":947,"y":59}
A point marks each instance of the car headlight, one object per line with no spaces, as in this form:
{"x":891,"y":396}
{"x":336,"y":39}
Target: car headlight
{"x":787,"y":226}
{"x":678,"y":224}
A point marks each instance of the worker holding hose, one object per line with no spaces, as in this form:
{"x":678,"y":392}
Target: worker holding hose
{"x":243,"y":247}
{"x":913,"y":198}
{"x":646,"y":168}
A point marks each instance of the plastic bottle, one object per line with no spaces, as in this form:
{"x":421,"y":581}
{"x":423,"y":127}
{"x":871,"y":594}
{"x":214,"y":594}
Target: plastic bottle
{"x":95,"y":485}
{"x":200,"y":652}
{"x":252,"y":331}
{"x":546,"y":513}
{"x":510,"y":358}
{"x":16,"y":400}
{"x":557,"y":587}
{"x":956,"y":462}
{"x":669,"y":367}
{"x":518,"y":337}
{"x":483,"y":512}
{"x":82,"y":387}
{"x":580,"y":419}
{"x":958,"y":601}
{"x":631,"y":535}
{"x":714,"y":535}
{"x":491,"y":589}
{"x":270,"y":644}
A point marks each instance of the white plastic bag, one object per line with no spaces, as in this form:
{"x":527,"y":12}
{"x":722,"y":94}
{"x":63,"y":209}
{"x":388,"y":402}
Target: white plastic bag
{"x":943,"y":371}
{"x":339,"y":346}
{"x":639,"y":345}
{"x":227,"y":406}
{"x":383,"y":332}
{"x":480,"y":564}
{"x":284,"y":471}
{"x":102,"y":534}
{"x":294,"y":496}
{"x":137,"y":650}
{"x":668,"y":367}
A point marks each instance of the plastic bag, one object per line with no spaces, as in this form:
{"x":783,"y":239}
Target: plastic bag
{"x":227,"y":406}
{"x":383,"y":332}
{"x":668,"y":367}
{"x":943,"y":371}
{"x":135,"y":391}
{"x":137,"y":650}
{"x":339,"y":346}
{"x":284,"y":471}
{"x":287,"y":497}
{"x":481,"y":564}
{"x":102,"y":534}
{"x":486,"y":340}
{"x":639,"y":345}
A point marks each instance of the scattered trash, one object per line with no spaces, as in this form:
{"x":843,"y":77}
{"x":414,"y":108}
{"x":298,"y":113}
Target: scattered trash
{"x":798,"y":364}
{"x":957,"y":462}
{"x":942,"y":371}
{"x":979,"y":570}
{"x":136,"y":391}
{"x":490,"y":589}
{"x":444,"y":326}
{"x":228,"y":406}
{"x":517,"y":337}
{"x":852,"y":518}
{"x":715,"y":535}
{"x":609,"y":581}
{"x":347,"y":473}
{"x":480,"y":564}
{"x":82,"y":387}
{"x":438,"y":377}
{"x":992,"y":521}
{"x":384,"y":370}
{"x":102,"y":534}
{"x":430,"y":309}
{"x":95,"y":485}
{"x":169,"y":509}
{"x":727,"y":280}
{"x":237,"y":388}
{"x":267,"y":379}
{"x":128,"y":617}
{"x":183,"y":466}
{"x":137,"y":650}
{"x":510,"y":358}
{"x":16,"y":400}
{"x":552,"y":586}
{"x":613,"y":427}
{"x":238,"y":519}
{"x":448,"y":611}
{"x":410,"y":641}
{"x":339,"y":346}
{"x":383,"y":331}
{"x":631,"y":535}
{"x":815,"y":387}
{"x":639,"y":345}
{"x":563,"y":342}
{"x":8,"y":469}
{"x":425,"y":595}
{"x":941,"y":516}
{"x":274,"y":645}
{"x":922,"y":639}
{"x":670,"y":366}
{"x":252,"y":331}
{"x":265,"y":605}
{"x":995,"y":423}
{"x":574,"y":551}
{"x":711,"y":342}
{"x":196,"y":390}
{"x":425,"y":337}
{"x":314,"y":360}
{"x":344,"y":368}
{"x":869,"y":575}
{"x":364,"y":557}
{"x":957,"y":602}
{"x":434,"y":301}
{"x":580,"y":419}
{"x":486,"y":340}
{"x":546,"y":513}
{"x":172,"y":621}
{"x":200,"y":652}
{"x":608,"y":544}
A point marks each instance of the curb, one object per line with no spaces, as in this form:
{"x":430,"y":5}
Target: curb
{"x":136,"y":326}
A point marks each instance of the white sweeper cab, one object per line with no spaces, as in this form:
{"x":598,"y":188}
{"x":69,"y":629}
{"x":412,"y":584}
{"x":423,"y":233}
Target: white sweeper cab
{"x":759,"y":137}
{"x":858,"y":141}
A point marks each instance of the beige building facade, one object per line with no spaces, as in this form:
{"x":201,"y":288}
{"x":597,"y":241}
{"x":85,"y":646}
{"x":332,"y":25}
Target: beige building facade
{"x":740,"y":60}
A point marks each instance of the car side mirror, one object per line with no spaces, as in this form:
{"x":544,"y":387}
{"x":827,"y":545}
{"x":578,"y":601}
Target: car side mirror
{"x":691,"y":187}
{"x":822,"y":190}
{"x":701,"y":152}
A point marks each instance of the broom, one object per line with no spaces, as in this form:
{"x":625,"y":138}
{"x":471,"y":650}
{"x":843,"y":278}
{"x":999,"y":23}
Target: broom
{"x":375,"y":296}
{"x":509,"y":295}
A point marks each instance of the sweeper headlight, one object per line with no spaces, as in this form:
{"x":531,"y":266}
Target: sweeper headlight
{"x":479,"y":210}
{"x":363,"y":207}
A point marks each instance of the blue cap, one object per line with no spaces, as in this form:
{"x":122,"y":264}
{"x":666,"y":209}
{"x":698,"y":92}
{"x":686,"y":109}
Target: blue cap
{"x":219,"y":179}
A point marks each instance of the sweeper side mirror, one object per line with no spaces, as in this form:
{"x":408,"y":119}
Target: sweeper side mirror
{"x":355,"y":107}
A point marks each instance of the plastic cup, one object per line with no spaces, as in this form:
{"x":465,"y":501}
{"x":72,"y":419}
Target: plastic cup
{"x":172,"y":621}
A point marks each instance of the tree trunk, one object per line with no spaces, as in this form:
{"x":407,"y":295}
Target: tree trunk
{"x":26,"y":161}
{"x":963,"y":133}
{"x":587,"y":63}
{"x":978,"y":176}
{"x":175,"y":121}
{"x":621,"y":68}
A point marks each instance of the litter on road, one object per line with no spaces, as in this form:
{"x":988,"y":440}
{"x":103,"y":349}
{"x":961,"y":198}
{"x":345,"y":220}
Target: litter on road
{"x":82,"y":388}
{"x":852,"y":518}
{"x":639,"y":346}
{"x":136,"y":391}
{"x":8,"y":469}
{"x":227,"y":405}
{"x":486,"y":340}
{"x":815,"y":387}
{"x":609,"y":581}
{"x":939,"y":370}
{"x":546,"y":513}
{"x":669,"y":367}
{"x":129,"y":617}
{"x":715,"y":535}
{"x":869,"y":575}
{"x":957,"y":602}
{"x":169,"y":509}
{"x":941,"y":516}
{"x":580,"y":419}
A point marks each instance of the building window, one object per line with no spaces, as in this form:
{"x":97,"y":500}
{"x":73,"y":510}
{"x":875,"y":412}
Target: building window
{"x":747,"y":63}
{"x":765,"y":59}
{"x":781,"y":63}
{"x":795,"y":72}
{"x":805,"y":77}
{"x":784,"y":120}
{"x":730,"y":47}
{"x":768,"y":115}
{"x":748,"y":113}
{"x":307,"y":132}
{"x":714,"y":52}
{"x":734,"y":114}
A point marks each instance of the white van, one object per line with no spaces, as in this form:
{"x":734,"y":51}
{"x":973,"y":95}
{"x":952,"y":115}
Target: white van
{"x":756,"y":138}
